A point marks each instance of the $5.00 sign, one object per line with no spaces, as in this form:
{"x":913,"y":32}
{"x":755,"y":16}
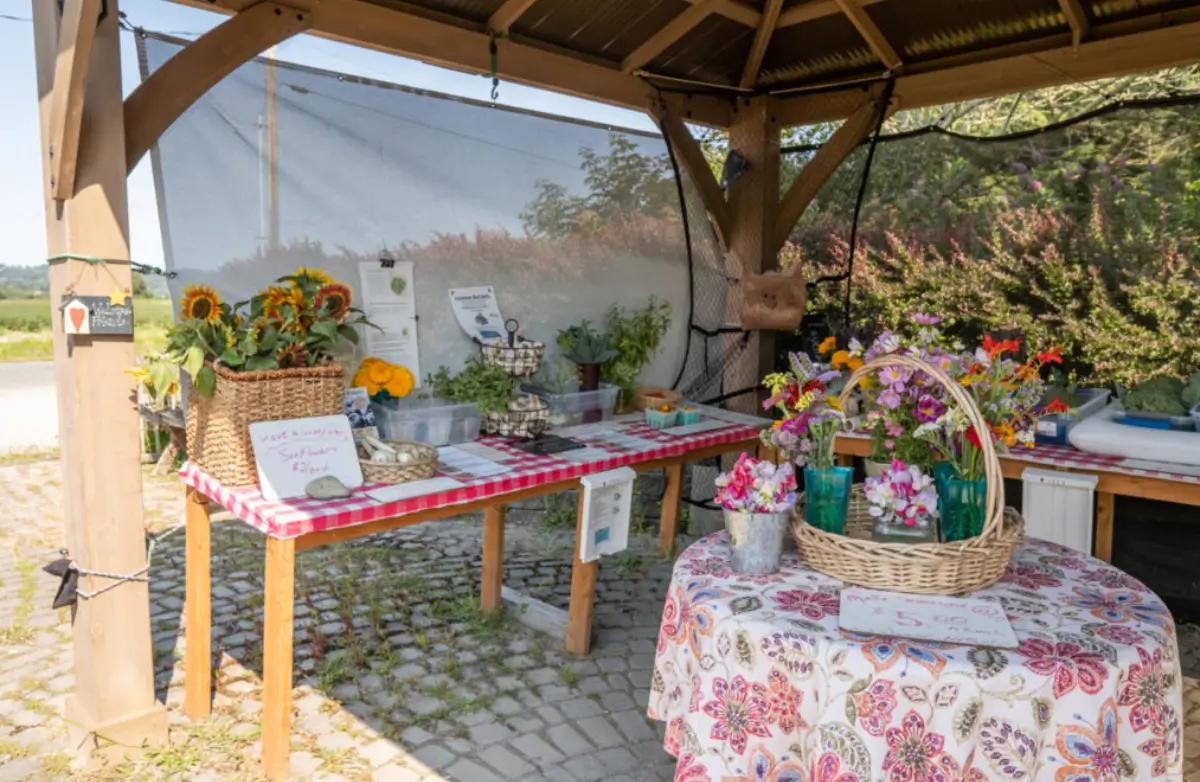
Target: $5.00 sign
{"x":956,"y":620}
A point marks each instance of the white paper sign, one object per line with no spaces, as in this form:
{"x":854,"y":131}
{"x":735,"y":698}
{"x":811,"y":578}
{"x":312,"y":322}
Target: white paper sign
{"x":477,"y":313}
{"x":956,"y":620}
{"x":389,"y":300}
{"x":404,"y":491}
{"x":289,"y":454}
{"x":607,"y":500}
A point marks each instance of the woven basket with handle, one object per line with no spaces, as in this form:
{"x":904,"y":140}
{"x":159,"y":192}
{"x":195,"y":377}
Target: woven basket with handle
{"x":218,"y":427}
{"x":929,"y":568}
{"x":423,"y":465}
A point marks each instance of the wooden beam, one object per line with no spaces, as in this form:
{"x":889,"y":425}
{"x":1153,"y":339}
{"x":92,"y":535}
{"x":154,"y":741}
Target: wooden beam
{"x":279,"y":625}
{"x":738,"y":12}
{"x":816,"y":9}
{"x":675,"y":29}
{"x":493,"y":558}
{"x":76,"y":31}
{"x":762,"y":39}
{"x":400,"y":29}
{"x":197,"y":700}
{"x":583,"y":594}
{"x":871,"y":33}
{"x":691,"y":157}
{"x":507,"y":14}
{"x":1054,"y":61}
{"x":113,"y":697}
{"x":821,"y":167}
{"x":1076,"y":19}
{"x":181,"y":81}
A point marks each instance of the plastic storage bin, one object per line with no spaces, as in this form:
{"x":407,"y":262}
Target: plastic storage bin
{"x":1053,"y":429}
{"x":433,"y":421}
{"x":1173,"y":423}
{"x":581,"y":407}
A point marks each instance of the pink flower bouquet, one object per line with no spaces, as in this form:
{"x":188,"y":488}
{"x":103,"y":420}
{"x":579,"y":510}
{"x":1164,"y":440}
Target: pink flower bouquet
{"x":754,"y":486}
{"x":903,"y":496}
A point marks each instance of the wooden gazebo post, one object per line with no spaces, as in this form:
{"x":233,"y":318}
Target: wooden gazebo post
{"x":83,"y":146}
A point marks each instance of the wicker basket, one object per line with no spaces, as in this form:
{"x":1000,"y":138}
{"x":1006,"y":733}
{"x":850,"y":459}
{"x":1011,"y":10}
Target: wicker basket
{"x":424,"y":467}
{"x":522,"y":360}
{"x":929,"y":568}
{"x":527,"y":423}
{"x":218,"y":427}
{"x":649,"y":396}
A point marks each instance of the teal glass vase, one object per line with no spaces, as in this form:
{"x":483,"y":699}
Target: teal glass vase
{"x":963,"y":507}
{"x":827,"y":497}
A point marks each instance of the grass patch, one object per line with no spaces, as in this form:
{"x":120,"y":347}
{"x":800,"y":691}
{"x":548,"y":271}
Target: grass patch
{"x":568,"y":676}
{"x":56,"y":766}
{"x":40,"y":346}
{"x":28,"y":455}
{"x":14,"y":749}
{"x":19,"y":632}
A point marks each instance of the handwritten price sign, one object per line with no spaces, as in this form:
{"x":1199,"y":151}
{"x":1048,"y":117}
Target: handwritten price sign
{"x":291,"y":453}
{"x":957,"y":620}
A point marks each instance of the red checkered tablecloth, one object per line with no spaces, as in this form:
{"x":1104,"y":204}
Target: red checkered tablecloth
{"x":1066,"y":456}
{"x":293,"y":518}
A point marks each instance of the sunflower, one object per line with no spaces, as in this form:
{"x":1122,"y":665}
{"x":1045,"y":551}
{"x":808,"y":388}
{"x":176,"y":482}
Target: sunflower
{"x":291,"y":355}
{"x":314,"y":275}
{"x":201,"y":302}
{"x":277,"y":297}
{"x":334,"y":299}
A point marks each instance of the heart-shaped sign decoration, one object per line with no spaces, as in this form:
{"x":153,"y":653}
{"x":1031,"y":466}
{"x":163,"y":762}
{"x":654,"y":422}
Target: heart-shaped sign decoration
{"x":76,"y":314}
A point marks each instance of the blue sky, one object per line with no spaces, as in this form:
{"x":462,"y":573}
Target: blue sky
{"x":21,"y":218}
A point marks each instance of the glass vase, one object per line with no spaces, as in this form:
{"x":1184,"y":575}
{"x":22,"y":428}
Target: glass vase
{"x":963,"y":507}
{"x":827,"y":497}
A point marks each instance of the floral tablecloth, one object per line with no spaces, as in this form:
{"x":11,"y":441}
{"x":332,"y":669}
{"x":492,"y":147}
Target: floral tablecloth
{"x":756,"y":681}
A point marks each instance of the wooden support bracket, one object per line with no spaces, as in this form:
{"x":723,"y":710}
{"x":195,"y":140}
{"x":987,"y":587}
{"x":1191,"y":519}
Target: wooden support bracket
{"x":675,"y":29}
{"x":691,"y":158}
{"x":1076,"y":18}
{"x":182,"y":80}
{"x":821,"y":167}
{"x":76,"y":32}
{"x":507,"y":14}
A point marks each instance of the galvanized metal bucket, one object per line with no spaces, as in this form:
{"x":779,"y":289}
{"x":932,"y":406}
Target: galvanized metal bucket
{"x":756,"y":540}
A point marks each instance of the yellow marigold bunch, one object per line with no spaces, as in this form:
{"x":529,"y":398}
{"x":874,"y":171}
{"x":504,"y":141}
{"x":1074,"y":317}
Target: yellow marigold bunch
{"x":378,"y":376}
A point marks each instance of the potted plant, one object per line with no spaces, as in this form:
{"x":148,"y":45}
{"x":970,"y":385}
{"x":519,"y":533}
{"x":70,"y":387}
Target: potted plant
{"x":903,"y":502}
{"x":811,"y":420}
{"x":266,"y":359}
{"x":588,"y":349}
{"x":491,"y":389}
{"x":757,"y":498}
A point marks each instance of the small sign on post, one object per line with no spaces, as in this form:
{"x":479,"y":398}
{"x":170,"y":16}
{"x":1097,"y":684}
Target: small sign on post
{"x":607,"y":501}
{"x":97,"y":314}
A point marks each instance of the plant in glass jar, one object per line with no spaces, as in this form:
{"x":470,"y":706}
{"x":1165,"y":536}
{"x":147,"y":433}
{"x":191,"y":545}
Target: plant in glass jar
{"x":757,"y":497}
{"x":810,"y":422}
{"x":903,"y":500}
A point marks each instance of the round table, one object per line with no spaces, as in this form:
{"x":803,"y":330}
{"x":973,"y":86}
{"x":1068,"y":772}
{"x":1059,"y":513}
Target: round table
{"x":756,"y":681}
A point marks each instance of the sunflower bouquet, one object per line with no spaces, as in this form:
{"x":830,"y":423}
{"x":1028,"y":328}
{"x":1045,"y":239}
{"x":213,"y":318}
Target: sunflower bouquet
{"x":298,"y":322}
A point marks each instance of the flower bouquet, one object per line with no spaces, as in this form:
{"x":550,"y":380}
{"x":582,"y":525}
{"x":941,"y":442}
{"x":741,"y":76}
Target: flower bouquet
{"x":267,"y":359}
{"x":903,"y":501}
{"x":811,"y":420}
{"x":757,"y":497}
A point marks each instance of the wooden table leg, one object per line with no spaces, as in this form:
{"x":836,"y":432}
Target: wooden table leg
{"x":197,"y":700}
{"x":583,"y":595}
{"x":1106,"y":503}
{"x":669,"y":525}
{"x":493,"y":557}
{"x":845,"y":459}
{"x":278,"y":627}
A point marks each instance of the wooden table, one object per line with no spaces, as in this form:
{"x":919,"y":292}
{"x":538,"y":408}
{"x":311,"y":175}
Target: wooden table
{"x":279,"y":602}
{"x":1113,"y":479}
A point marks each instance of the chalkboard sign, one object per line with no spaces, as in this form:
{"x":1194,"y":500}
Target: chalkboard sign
{"x":96,"y":315}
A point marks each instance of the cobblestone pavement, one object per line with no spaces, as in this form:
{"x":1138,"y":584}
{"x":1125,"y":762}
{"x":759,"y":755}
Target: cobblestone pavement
{"x":398,"y":677}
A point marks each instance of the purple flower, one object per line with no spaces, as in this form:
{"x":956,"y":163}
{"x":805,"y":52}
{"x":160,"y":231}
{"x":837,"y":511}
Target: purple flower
{"x":929,"y":409}
{"x":889,"y":399}
{"x":1036,"y":185}
{"x":921,"y":319}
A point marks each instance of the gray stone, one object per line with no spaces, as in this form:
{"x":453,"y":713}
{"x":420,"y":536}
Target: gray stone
{"x":434,"y":755}
{"x":327,"y":487}
{"x":617,"y":701}
{"x":379,"y":753}
{"x":509,"y":765}
{"x":489,"y":732}
{"x":304,"y":764}
{"x":536,"y":749}
{"x":395,"y":773}
{"x":600,"y":732}
{"x":568,"y":741}
{"x":470,"y":770}
{"x":579,"y":708}
{"x":634,"y":725}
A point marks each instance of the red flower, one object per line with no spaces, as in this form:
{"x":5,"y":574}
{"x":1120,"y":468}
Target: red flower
{"x":812,"y":385}
{"x":875,"y":706}
{"x":1143,"y":690}
{"x":1056,"y":406}
{"x":1052,"y":356}
{"x":1067,"y":663}
{"x":911,"y":751}
{"x":783,"y":703}
{"x":973,"y":437}
{"x":813,"y":605}
{"x":738,"y":712}
{"x":994,"y":348}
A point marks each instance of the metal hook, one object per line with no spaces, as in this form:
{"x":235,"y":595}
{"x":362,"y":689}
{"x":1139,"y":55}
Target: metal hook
{"x":512,"y":326}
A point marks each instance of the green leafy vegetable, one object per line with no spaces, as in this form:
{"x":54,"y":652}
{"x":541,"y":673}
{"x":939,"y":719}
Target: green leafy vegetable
{"x":1162,"y":394}
{"x":487,"y":385}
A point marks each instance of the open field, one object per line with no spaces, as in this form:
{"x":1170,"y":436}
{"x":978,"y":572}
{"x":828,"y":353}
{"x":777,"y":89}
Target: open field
{"x":25,"y":328}
{"x":33,"y":315}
